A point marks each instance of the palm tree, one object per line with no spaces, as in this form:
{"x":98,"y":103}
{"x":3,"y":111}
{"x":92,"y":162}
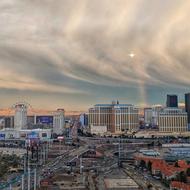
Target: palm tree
{"x":149,"y":166}
{"x":181,"y":177}
{"x":142,"y":164}
{"x":188,"y":172}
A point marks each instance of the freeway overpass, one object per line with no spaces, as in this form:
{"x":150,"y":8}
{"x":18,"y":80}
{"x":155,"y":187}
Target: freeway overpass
{"x":101,"y":140}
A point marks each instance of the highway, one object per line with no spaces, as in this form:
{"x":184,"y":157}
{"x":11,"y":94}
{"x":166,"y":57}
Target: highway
{"x":113,"y":139}
{"x":46,"y":170}
{"x":110,"y":162}
{"x":61,"y":161}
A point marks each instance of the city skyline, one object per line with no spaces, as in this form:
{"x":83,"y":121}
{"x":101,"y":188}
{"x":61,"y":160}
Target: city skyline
{"x":75,"y":54}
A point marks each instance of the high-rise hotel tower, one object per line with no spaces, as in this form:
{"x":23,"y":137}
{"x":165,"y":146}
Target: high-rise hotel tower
{"x":117,"y":117}
{"x":59,"y":121}
{"x":187,"y":107}
{"x":20,"y":117}
{"x":172,"y":120}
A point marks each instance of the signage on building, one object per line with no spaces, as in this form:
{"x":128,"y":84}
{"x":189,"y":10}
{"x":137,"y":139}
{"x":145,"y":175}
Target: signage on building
{"x":2,"y":136}
{"x":33,"y":135}
{"x":44,"y":119}
{"x":60,"y":138}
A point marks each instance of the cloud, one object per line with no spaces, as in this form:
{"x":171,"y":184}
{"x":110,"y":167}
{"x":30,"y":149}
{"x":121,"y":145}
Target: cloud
{"x":68,"y":46}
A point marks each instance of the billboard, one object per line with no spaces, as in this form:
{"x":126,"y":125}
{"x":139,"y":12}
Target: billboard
{"x":33,"y":135}
{"x":44,"y":120}
{"x":2,"y":136}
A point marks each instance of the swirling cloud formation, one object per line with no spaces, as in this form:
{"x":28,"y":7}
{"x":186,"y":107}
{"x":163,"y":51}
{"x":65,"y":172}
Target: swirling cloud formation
{"x":75,"y":53}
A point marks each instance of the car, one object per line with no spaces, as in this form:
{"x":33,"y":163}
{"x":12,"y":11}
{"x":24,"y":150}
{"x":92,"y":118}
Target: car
{"x":156,"y":177}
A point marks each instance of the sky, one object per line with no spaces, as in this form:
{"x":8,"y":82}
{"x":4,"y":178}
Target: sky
{"x":76,"y":53}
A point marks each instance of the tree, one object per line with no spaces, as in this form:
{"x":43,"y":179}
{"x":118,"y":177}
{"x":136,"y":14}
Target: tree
{"x":159,"y":144}
{"x":149,"y":166}
{"x":3,"y":169}
{"x":142,"y":164}
{"x":149,"y":186}
{"x":176,"y":164}
{"x":151,"y":144}
{"x":181,"y":177}
{"x":188,"y":172}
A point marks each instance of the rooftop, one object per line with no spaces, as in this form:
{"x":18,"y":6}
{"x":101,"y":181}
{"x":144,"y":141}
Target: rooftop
{"x":180,"y":185}
{"x":163,"y":166}
{"x":109,"y":105}
{"x":126,"y":183}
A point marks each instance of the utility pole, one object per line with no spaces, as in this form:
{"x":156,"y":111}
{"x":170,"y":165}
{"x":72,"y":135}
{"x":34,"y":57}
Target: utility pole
{"x":81,"y":165}
{"x":39,"y":179}
{"x":81,"y":171}
{"x":35,"y":180}
{"x":28,"y":175}
{"x":24,"y":163}
{"x":37,"y":155}
{"x":23,"y":181}
{"x":41,"y":154}
{"x":44,"y":153}
{"x":119,"y":153}
{"x":28,"y":178}
{"x":119,"y":149}
{"x":60,"y":145}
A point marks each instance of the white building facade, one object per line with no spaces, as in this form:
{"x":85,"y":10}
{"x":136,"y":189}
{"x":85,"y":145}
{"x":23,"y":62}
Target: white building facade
{"x":172,"y":120}
{"x":20,"y":117}
{"x":98,"y":130}
{"x":155,"y":114}
{"x":148,"y":115}
{"x":43,"y":134}
{"x":59,"y":121}
{"x":118,"y":118}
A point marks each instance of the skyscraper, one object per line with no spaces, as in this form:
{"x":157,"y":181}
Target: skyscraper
{"x":20,"y":117}
{"x":59,"y":121}
{"x":116,"y":117}
{"x":172,"y":101}
{"x":187,"y":106}
{"x":172,"y":120}
{"x":84,"y":119}
{"x":148,"y":115}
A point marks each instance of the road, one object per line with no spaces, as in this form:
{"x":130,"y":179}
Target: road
{"x":49,"y":168}
{"x":143,"y":181}
{"x":60,"y":161}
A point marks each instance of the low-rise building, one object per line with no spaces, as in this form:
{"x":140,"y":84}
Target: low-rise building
{"x":42,"y":134}
{"x":98,"y":130}
{"x":177,"y":185}
{"x":162,"y":168}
